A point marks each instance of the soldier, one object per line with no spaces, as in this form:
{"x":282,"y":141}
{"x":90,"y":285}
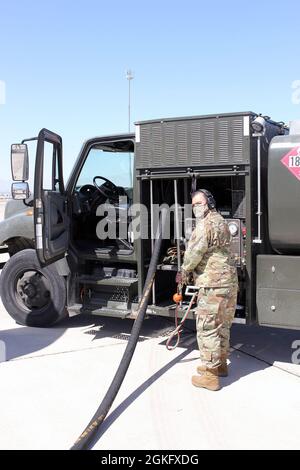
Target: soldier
{"x":208,"y":257}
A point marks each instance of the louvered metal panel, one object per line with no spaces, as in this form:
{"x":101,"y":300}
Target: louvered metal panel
{"x":209,"y":142}
{"x":200,"y":141}
{"x":157,"y":148}
{"x":196,"y":143}
{"x":145,"y":156}
{"x":170,"y":136}
{"x":182,"y":151}
{"x":237,"y":144}
{"x":223,"y":141}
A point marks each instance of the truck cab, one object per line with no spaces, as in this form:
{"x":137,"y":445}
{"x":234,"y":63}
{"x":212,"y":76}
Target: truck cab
{"x":94,"y":267}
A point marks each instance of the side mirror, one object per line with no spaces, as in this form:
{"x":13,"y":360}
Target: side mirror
{"x":19,"y":162}
{"x":20,"y":191}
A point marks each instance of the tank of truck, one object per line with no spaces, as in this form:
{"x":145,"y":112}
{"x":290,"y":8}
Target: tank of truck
{"x":284,"y":193}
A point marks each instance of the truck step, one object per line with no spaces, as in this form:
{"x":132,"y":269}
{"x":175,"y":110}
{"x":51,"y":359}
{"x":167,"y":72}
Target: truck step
{"x":109,"y":281}
{"x":92,"y":309}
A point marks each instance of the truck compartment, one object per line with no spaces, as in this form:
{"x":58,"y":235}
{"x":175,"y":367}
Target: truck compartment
{"x":230,"y":195}
{"x":110,"y":282}
{"x":278,"y":290}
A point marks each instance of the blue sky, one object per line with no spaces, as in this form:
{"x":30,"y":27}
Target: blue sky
{"x":64,"y":63}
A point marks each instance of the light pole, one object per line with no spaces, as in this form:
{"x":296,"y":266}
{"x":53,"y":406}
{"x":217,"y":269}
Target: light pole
{"x":129,"y":76}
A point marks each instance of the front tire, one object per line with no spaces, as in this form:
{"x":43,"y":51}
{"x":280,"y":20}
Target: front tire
{"x":18,"y":244}
{"x":32,"y":295}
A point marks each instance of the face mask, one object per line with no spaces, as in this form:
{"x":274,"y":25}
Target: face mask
{"x":200,"y":210}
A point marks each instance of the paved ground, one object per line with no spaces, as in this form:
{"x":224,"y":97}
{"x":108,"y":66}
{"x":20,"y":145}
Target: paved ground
{"x":53,"y":380}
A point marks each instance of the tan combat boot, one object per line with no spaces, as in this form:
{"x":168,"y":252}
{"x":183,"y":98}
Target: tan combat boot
{"x":222,"y":369}
{"x":209,"y":379}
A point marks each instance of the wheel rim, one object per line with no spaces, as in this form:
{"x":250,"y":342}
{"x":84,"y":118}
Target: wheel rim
{"x":32,"y":290}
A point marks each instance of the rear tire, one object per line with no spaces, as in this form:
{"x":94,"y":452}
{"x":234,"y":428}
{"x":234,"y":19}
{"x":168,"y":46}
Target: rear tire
{"x":32,"y":295}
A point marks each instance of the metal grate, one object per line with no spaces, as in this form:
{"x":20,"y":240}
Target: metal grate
{"x":200,"y":141}
{"x":170,"y":144}
{"x":126,"y":336}
{"x":223,"y":141}
{"x":122,"y":336}
{"x":146,"y":153}
{"x":237,"y":134}
{"x":120,"y":294}
{"x":182,"y":151}
{"x":157,"y":144}
{"x":209,"y":143}
{"x":196,"y":153}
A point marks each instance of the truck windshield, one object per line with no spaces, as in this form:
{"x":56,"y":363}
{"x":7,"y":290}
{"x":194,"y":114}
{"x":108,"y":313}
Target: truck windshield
{"x":115,"y":166}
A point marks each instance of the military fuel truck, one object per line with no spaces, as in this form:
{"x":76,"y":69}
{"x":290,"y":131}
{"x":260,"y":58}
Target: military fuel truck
{"x":250,"y":163}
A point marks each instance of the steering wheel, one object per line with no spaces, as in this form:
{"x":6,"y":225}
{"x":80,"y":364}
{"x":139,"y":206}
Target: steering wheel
{"x":108,"y":189}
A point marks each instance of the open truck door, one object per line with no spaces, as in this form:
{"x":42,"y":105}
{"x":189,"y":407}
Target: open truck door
{"x":51,"y":219}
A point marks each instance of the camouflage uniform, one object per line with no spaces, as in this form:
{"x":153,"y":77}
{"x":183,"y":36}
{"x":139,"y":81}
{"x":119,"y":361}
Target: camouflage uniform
{"x":208,"y":257}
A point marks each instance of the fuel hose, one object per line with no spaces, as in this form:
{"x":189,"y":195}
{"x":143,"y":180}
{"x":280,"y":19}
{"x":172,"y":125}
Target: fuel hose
{"x":88,"y":435}
{"x":177,"y":332}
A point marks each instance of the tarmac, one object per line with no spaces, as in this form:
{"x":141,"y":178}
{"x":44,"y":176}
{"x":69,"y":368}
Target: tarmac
{"x":53,"y":379}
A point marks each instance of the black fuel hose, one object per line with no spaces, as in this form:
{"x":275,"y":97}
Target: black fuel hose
{"x":92,"y":428}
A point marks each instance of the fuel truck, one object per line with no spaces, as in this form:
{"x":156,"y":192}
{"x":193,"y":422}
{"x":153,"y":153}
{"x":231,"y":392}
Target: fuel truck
{"x":251,"y":165}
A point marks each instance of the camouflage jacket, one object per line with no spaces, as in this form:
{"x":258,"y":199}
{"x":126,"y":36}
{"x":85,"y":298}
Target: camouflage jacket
{"x":208,"y":253}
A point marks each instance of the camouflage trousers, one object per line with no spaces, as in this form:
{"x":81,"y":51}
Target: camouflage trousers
{"x":215,"y":312}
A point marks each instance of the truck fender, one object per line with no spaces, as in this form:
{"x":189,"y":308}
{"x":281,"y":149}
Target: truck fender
{"x":18,"y":226}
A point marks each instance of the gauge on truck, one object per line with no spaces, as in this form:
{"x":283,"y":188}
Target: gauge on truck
{"x":233,"y":229}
